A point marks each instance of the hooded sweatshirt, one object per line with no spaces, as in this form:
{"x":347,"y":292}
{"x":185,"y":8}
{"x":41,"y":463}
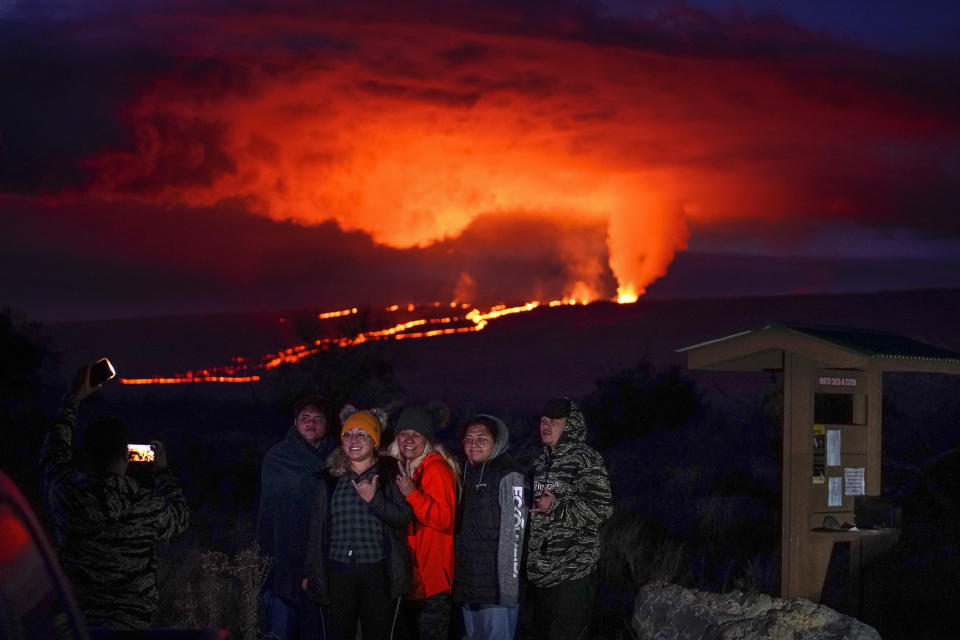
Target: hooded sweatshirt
{"x":564,"y":543}
{"x":491,"y":519}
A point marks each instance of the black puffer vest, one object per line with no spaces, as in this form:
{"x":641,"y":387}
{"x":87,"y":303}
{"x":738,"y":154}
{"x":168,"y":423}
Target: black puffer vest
{"x":478,"y":533}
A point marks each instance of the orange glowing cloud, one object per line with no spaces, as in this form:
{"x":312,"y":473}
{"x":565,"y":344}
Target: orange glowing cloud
{"x":410,"y":132}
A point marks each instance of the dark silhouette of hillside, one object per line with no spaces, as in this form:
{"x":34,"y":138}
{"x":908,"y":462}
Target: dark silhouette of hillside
{"x":518,"y":360}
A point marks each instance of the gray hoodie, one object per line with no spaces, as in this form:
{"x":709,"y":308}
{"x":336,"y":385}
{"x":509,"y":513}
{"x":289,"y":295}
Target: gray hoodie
{"x":491,"y":518}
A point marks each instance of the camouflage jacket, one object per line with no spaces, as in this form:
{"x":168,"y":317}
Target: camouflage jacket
{"x":564,"y":543}
{"x":107,"y":527}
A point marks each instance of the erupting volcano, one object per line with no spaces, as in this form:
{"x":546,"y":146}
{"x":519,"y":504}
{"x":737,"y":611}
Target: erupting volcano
{"x":409,"y":165}
{"x":176,"y":158}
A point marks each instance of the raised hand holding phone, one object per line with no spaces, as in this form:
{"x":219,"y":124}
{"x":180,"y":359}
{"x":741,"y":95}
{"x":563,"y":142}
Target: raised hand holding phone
{"x":89,"y":378}
{"x":101,"y":371}
{"x":80,"y":387}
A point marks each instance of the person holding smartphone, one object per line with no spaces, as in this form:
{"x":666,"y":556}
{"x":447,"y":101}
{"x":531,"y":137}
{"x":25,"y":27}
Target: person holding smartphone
{"x":107,"y":525}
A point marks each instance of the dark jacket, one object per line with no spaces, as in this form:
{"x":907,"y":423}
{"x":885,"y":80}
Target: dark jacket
{"x":107,"y":527}
{"x":491,"y":518}
{"x":564,"y":543}
{"x":287,"y":479}
{"x":388,"y":504}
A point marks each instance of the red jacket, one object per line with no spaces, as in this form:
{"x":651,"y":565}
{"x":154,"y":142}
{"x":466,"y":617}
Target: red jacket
{"x":430,"y":534}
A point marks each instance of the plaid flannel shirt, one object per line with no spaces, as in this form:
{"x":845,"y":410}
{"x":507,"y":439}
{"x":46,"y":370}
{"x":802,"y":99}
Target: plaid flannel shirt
{"x":356,"y":535}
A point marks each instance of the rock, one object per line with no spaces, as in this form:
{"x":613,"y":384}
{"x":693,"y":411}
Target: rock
{"x":671,"y":612}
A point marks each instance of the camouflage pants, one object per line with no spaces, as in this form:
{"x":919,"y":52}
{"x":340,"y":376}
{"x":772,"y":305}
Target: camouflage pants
{"x":428,"y":619}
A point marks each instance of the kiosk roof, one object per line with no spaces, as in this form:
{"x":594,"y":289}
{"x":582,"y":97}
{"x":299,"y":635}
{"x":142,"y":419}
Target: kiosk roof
{"x":849,"y":346}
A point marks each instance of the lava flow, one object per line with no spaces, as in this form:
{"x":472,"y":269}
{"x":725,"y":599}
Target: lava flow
{"x":426,"y":326}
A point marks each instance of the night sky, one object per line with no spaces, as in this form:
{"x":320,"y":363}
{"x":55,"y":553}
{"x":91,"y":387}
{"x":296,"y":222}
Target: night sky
{"x":187,"y":157}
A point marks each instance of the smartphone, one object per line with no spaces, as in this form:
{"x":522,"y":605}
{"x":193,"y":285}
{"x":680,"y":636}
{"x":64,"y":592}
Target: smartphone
{"x":140,"y":453}
{"x":101,"y":371}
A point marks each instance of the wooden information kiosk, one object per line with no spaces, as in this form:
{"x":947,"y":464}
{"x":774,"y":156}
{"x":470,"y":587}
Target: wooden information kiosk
{"x":835,"y":375}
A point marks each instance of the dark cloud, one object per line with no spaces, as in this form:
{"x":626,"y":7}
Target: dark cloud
{"x":457,"y":100}
{"x":923,"y":25}
{"x":95,"y":259}
{"x":522,"y":257}
{"x":183,"y":151}
{"x":99,"y":259}
{"x":62,"y":102}
{"x":526,"y":83}
{"x":466,"y":54}
{"x":706,"y":275}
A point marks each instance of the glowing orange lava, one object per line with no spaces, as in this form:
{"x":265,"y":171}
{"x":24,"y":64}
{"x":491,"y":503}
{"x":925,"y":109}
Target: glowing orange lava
{"x":242,"y":370}
{"x":336,"y":314}
{"x":627,"y":294}
{"x":187,"y":377}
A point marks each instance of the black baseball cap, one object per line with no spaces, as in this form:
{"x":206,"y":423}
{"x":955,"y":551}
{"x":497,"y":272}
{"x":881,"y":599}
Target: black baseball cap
{"x":557,"y":408}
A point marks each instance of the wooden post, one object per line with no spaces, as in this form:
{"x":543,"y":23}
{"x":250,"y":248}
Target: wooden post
{"x":795,"y":565}
{"x":874,"y":425}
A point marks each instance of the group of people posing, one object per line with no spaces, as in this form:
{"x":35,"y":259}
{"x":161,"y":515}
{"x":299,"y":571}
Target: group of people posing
{"x":402,"y":541}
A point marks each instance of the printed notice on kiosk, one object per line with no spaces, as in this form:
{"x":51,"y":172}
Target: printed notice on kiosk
{"x":833,"y":448}
{"x":835,"y":496}
{"x":853,"y":481}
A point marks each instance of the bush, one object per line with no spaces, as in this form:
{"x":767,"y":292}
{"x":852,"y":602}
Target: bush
{"x":639,"y":400}
{"x":29,"y":386}
{"x":220,"y":591}
{"x":634,"y":550}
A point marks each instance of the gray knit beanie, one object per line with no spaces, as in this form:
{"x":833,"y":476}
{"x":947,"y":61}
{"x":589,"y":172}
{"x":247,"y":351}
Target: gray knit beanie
{"x":416,"y":418}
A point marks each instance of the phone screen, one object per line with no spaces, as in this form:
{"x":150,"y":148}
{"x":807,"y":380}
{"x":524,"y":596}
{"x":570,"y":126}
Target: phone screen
{"x":140,"y":452}
{"x":101,"y":371}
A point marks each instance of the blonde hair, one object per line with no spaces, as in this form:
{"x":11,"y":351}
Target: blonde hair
{"x":394,"y":452}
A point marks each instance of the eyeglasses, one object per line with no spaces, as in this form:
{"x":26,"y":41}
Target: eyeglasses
{"x":355,"y":435}
{"x":475,"y":442}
